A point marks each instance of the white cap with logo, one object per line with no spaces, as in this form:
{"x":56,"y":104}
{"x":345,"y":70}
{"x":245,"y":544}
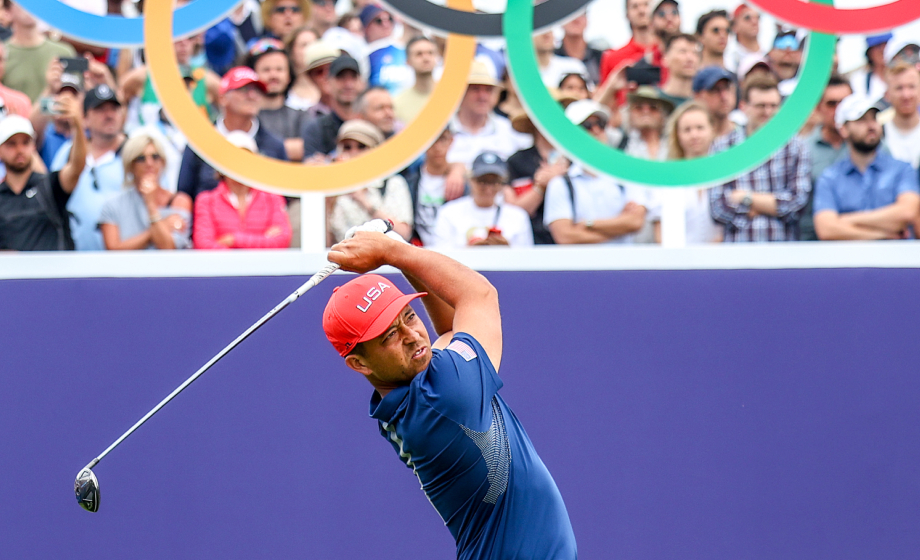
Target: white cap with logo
{"x":853,"y":107}
{"x":12,"y":125}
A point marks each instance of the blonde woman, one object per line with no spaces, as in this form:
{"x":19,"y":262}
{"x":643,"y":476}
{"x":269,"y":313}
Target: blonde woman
{"x":690,"y":132}
{"x":145,"y":215}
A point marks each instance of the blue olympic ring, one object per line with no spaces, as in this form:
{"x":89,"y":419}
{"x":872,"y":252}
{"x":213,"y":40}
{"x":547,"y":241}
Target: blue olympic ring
{"x":115,"y":31}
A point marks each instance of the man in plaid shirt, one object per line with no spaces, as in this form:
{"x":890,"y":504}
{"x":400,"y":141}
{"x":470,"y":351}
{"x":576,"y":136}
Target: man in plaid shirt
{"x":764,"y":204}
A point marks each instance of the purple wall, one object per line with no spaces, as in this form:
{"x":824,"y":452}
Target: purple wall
{"x":697,"y":414}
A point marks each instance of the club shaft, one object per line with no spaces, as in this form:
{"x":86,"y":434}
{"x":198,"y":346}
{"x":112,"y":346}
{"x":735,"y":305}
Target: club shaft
{"x":313,"y":281}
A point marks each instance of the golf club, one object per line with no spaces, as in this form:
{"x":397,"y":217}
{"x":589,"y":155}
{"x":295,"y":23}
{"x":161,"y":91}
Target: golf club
{"x":86,"y":485}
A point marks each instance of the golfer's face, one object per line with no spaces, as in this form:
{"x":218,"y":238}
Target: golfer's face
{"x":402,"y":351}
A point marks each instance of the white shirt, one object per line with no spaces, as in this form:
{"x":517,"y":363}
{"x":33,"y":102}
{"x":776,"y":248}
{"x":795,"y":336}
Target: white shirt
{"x":903,"y":145}
{"x":596,"y":197}
{"x":462,"y":221}
{"x":430,"y":200}
{"x":877,"y":85}
{"x":496,"y":136}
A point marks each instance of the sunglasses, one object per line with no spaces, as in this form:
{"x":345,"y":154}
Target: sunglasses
{"x":265,"y":45}
{"x":665,"y":13}
{"x":283,"y":9}
{"x":787,"y":43}
{"x":152,"y":158}
{"x":382,"y":20}
{"x":323,"y":3}
{"x":591,"y":124}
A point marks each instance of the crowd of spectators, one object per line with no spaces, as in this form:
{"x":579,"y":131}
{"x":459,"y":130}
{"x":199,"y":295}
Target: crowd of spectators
{"x":91,"y":161}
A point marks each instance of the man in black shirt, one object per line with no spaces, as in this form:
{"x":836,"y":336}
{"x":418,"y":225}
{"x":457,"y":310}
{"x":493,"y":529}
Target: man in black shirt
{"x":33,"y":213}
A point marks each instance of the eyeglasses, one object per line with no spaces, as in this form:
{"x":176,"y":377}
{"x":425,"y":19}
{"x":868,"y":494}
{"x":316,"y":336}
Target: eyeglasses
{"x":265,"y":45}
{"x":591,"y":124}
{"x":786,"y":43}
{"x":143,"y":158}
{"x":666,"y":13}
{"x":282,"y":9}
{"x":382,"y":20}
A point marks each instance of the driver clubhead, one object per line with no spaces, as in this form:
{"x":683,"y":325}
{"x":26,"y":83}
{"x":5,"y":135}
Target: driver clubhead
{"x":86,"y":487}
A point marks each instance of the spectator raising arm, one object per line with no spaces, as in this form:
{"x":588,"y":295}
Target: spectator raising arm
{"x":71,"y":171}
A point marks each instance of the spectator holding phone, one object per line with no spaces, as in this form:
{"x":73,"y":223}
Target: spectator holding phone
{"x":52,"y":129}
{"x":480,"y":219}
{"x":29,"y":53}
{"x":235,"y":216}
{"x":642,"y":45}
{"x":145,"y":215}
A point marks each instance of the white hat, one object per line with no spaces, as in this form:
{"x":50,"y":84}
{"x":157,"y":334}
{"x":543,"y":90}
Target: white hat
{"x":242,"y":140}
{"x":896,"y":45}
{"x":853,"y":107}
{"x":15,"y":124}
{"x":579,"y":111}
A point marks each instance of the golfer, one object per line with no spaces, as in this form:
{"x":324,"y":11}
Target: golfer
{"x":438,"y":404}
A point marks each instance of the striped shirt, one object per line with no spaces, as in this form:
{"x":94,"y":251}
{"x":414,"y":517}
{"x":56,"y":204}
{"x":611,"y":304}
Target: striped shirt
{"x":786,"y":175}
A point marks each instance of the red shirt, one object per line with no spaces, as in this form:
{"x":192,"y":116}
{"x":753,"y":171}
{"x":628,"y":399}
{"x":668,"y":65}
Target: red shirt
{"x":17,"y":103}
{"x":215,"y":217}
{"x":629,"y":53}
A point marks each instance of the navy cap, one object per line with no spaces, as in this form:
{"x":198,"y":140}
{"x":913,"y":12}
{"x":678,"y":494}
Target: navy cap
{"x":708,"y":77}
{"x":99,"y":95}
{"x":490,"y":163}
{"x":368,"y":13}
{"x":343,"y":63}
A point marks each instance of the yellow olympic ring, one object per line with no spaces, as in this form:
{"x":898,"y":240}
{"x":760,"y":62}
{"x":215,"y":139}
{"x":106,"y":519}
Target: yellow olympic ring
{"x":289,"y":177}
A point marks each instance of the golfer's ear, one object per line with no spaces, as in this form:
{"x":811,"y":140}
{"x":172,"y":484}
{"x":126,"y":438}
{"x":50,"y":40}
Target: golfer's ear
{"x":356,"y":363}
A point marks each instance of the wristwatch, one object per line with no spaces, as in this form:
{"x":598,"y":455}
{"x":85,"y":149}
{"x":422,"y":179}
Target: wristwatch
{"x":747,"y":200}
{"x":589,"y":224}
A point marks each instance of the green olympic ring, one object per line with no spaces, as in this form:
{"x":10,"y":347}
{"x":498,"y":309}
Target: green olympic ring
{"x":720,"y":168}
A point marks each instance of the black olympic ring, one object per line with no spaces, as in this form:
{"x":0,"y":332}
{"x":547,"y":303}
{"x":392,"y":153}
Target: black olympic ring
{"x":449,"y":20}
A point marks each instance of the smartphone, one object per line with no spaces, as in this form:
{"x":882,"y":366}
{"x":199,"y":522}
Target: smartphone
{"x":643,"y":74}
{"x":75,"y":66}
{"x":47,"y":106}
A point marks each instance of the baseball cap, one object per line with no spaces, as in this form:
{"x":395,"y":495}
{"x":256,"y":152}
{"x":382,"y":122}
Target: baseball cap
{"x":362,"y":310}
{"x":360,"y":131}
{"x":751,"y":61}
{"x":708,"y":77}
{"x":579,"y":111}
{"x":99,"y":95}
{"x":853,"y":107}
{"x":368,"y":13}
{"x":342,"y":63}
{"x":242,"y":140}
{"x":239,"y":77}
{"x":12,"y":125}
{"x":72,"y":82}
{"x":896,"y":45}
{"x":739,"y":10}
{"x":663,"y":2}
{"x":649,"y":93}
{"x":490,"y":163}
{"x":481,"y":74}
{"x":320,"y":53}
{"x":876,"y":40}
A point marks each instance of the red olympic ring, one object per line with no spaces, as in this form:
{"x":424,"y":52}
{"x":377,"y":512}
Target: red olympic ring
{"x":828,"y":19}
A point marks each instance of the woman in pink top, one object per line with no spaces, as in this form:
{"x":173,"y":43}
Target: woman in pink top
{"x":234,"y":216}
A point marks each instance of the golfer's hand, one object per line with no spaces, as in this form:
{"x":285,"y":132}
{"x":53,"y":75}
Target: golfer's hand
{"x":364,"y":252}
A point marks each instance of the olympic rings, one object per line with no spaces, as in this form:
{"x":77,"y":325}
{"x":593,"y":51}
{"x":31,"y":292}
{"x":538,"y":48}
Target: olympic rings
{"x":829,"y":19}
{"x":720,"y":168}
{"x":108,"y":31}
{"x":425,"y":14}
{"x":288,"y":177}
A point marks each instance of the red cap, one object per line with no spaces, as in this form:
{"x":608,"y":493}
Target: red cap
{"x":361,"y":310}
{"x":238,"y":77}
{"x":739,"y":10}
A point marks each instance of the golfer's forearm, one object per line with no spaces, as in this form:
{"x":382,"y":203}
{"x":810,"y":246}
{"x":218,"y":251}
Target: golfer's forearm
{"x":442,"y":276}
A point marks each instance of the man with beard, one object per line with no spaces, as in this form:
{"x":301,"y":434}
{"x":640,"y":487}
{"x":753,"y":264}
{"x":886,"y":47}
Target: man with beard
{"x":867,"y":194}
{"x":785,"y":58}
{"x":33,"y":207}
{"x":345,"y":83}
{"x":270,"y":61}
{"x":104,"y":175}
{"x":666,"y":20}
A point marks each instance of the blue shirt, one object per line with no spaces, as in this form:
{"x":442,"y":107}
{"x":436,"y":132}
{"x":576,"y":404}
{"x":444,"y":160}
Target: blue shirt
{"x":53,"y":140}
{"x":843,"y":188}
{"x":476,"y":464}
{"x":101,"y":180}
{"x":388,"y":66}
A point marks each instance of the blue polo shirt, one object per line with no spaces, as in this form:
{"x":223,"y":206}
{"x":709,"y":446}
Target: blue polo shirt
{"x":843,"y":188}
{"x":476,"y":464}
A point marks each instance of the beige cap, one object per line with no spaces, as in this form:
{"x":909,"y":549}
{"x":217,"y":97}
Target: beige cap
{"x":319,"y":53}
{"x":649,"y":93}
{"x":360,"y":131}
{"x":481,"y":74}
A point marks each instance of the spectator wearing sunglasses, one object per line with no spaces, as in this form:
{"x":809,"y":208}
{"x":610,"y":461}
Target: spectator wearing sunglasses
{"x":712,"y":30}
{"x":273,"y":68}
{"x":581,"y":207}
{"x":745,"y":29}
{"x":386,"y":56}
{"x":146,"y":215}
{"x":103,"y":176}
{"x":785,"y":58}
{"x":825,"y":145}
{"x":282,"y":17}
{"x":666,"y":20}
{"x":642,"y":45}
